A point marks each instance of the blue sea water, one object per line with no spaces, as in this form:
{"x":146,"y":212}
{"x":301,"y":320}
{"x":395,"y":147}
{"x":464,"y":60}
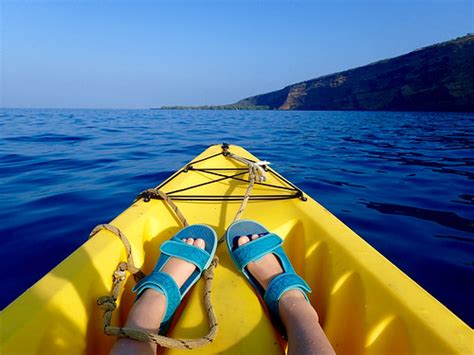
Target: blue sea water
{"x":402,"y":181}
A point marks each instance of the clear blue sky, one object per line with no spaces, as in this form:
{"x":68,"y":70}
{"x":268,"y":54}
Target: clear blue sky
{"x":140,"y":54}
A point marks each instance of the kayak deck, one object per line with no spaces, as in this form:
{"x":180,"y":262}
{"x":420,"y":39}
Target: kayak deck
{"x":365,"y":304}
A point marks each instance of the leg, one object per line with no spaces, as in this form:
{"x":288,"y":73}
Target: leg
{"x":148,"y":312}
{"x":305,"y":335}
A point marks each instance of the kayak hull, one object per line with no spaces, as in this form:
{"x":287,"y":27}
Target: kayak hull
{"x":366,"y":305}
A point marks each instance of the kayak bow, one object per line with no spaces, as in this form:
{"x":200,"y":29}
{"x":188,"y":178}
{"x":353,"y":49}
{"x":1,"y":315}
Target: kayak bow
{"x":366,"y":305}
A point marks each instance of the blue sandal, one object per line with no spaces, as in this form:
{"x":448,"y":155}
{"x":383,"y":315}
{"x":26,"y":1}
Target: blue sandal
{"x":256,"y":249}
{"x":175,"y":247}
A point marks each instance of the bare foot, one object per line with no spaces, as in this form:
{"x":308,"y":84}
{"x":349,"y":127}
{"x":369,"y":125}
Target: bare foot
{"x":148,"y":311}
{"x":305,"y":335}
{"x":265,"y":269}
{"x":180,"y":269}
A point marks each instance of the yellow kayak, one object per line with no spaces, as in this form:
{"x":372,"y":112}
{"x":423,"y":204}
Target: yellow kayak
{"x":366,"y":305}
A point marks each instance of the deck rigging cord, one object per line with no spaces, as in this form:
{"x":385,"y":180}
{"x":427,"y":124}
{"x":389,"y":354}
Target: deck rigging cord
{"x":258,"y":168}
{"x":257,"y":171}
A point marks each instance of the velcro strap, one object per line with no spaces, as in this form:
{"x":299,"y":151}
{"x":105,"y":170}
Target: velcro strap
{"x":190,"y":253}
{"x":279,"y":285}
{"x":162,"y":283}
{"x":255,"y":249}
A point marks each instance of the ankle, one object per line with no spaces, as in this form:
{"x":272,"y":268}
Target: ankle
{"x":151,"y":295}
{"x":292,"y":296}
{"x":148,"y":311}
{"x":292,"y":302}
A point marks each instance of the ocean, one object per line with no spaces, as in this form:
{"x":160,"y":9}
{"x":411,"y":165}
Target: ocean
{"x":404,"y":181}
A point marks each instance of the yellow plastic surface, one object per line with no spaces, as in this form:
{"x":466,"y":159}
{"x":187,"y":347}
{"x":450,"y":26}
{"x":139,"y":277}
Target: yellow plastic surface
{"x":366,"y":305}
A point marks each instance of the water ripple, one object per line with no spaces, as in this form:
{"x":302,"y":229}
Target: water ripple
{"x":444,"y":218}
{"x":47,"y":138}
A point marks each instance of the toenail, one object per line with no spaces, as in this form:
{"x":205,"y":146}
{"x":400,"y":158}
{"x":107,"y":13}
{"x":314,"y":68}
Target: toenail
{"x":199,"y":242}
{"x":254,"y":236}
{"x":243,"y":240}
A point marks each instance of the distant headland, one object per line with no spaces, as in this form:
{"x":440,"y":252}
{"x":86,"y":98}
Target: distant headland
{"x":435,"y":78}
{"x":218,"y":107}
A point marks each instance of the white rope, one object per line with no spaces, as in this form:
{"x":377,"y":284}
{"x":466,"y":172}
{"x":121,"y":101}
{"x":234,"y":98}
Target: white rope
{"x":254,"y":167}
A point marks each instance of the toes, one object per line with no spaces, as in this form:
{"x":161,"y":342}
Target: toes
{"x":200,"y":243}
{"x":243,"y":240}
{"x":254,"y":236}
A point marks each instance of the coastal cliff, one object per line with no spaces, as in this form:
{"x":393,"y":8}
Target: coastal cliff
{"x":435,"y":78}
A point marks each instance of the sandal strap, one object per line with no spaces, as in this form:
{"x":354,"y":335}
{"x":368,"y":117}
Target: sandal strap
{"x":279,"y":285}
{"x":162,"y":283}
{"x":256,"y":249}
{"x":190,"y":253}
